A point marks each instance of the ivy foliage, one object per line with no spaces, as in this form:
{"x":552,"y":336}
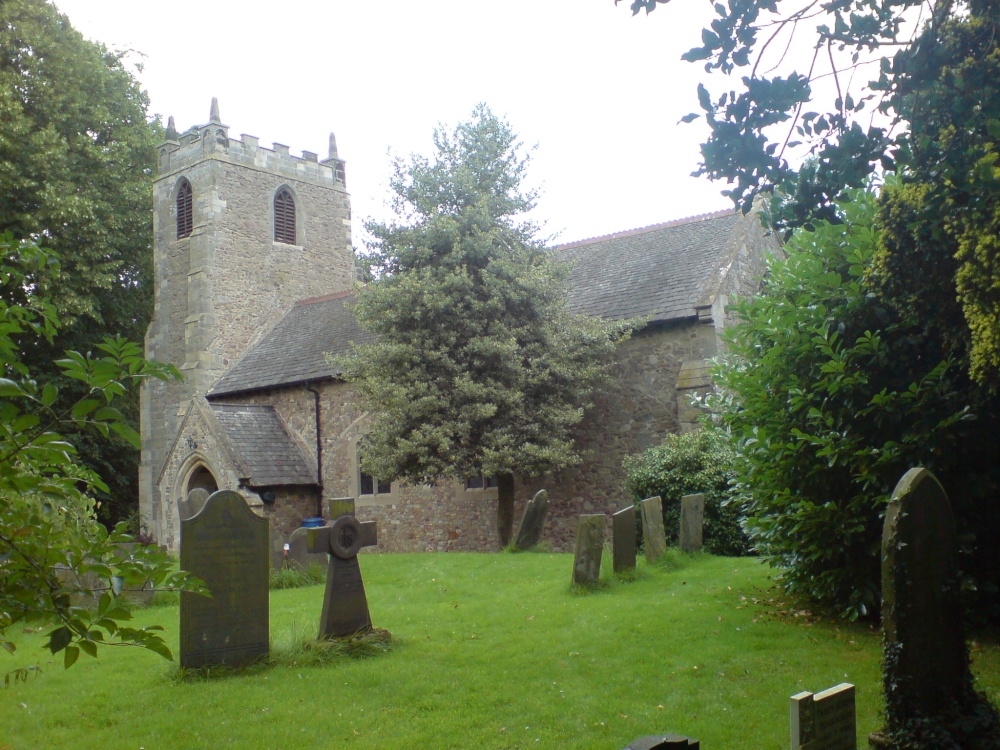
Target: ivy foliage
{"x":695,"y":462}
{"x":479,"y":369}
{"x":77,"y":154}
{"x":50,"y":540}
{"x":832,"y":394}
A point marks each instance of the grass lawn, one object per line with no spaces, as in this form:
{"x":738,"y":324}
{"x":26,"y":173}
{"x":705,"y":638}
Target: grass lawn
{"x":489,"y":651}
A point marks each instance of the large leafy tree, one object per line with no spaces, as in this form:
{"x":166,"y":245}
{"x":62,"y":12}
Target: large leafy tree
{"x":831,"y":94}
{"x":478,"y":369}
{"x":51,"y":545}
{"x":76,"y":160}
{"x":833,"y":91}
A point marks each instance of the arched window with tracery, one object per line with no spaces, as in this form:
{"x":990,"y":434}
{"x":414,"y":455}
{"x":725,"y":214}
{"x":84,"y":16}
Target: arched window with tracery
{"x":284,"y":217}
{"x":185,"y":210}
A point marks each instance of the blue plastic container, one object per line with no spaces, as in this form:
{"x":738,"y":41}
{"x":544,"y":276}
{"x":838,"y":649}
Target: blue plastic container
{"x":313,"y":523}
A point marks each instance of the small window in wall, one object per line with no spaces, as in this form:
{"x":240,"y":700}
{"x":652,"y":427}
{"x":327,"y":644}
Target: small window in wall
{"x":369,"y":485}
{"x":480,"y":483}
{"x":284,"y":217}
{"x":185,"y":210}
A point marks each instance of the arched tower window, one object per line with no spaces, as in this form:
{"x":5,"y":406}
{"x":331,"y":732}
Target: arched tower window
{"x":284,"y":217}
{"x":185,"y":210}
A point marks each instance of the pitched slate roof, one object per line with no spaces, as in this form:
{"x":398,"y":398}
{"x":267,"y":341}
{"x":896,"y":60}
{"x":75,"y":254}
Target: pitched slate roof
{"x":660,"y":273}
{"x":657,"y":272}
{"x":270,"y":457}
{"x":295,"y":351}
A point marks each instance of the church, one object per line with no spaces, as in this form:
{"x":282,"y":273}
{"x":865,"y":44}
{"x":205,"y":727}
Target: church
{"x":254,"y":279}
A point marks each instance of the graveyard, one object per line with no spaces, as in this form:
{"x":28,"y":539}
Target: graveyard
{"x":487,"y":651}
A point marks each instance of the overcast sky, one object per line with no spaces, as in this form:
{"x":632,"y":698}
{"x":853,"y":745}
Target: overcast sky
{"x":600,"y":92}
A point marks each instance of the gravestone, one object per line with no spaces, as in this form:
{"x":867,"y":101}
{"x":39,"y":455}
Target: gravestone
{"x":225,"y":545}
{"x":653,"y":535}
{"x":298,"y":554}
{"x":345,"y":606}
{"x":921,"y":609}
{"x":533,"y":521}
{"x":623,"y":539}
{"x":589,"y":548}
{"x":826,"y":720}
{"x":193,"y":503}
{"x":692,"y":522}
{"x":663,"y":742}
{"x":276,"y":545}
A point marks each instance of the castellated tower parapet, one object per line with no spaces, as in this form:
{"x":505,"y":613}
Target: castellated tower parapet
{"x":241,"y":232}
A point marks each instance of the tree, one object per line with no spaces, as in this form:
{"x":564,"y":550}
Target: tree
{"x":831,"y":395}
{"x":478,"y":369}
{"x":76,"y":160}
{"x":47,"y":519}
{"x":905,"y":85}
{"x":900,"y":85}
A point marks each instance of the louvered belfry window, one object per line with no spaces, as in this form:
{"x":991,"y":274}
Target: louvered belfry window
{"x":284,"y":217}
{"x":185,"y":210}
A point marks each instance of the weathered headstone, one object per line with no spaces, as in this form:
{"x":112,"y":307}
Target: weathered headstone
{"x":225,"y":545}
{"x":921,"y":609}
{"x":298,"y":554}
{"x":692,"y":522}
{"x":345,"y":606}
{"x":623,"y":539}
{"x":826,"y":720}
{"x":275,"y":545}
{"x":533,"y":521}
{"x":193,"y":503}
{"x":664,"y":742}
{"x":589,"y":548}
{"x":653,"y":536}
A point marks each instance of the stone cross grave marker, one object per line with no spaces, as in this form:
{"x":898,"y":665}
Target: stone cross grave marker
{"x":225,"y":545}
{"x":623,"y":539}
{"x":653,"y":536}
{"x":589,"y":548}
{"x":692,"y":522}
{"x":921,"y":611}
{"x":533,"y":521}
{"x":826,"y":720}
{"x":193,"y":503}
{"x":345,"y":606}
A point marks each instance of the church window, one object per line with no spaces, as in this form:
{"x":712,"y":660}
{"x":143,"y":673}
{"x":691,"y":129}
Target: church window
{"x":369,"y":485}
{"x":185,"y":210}
{"x":480,"y":483}
{"x":284,"y":217}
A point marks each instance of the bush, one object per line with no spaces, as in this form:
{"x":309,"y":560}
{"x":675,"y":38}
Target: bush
{"x":685,"y":465}
{"x":832,"y":394}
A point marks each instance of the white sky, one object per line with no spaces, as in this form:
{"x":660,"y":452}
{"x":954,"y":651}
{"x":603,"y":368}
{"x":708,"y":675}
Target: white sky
{"x":599,"y":91}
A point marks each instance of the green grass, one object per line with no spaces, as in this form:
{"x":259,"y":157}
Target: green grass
{"x":487,"y":651}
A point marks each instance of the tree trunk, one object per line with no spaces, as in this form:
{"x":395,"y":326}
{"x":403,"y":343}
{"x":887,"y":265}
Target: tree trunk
{"x":505,"y":508}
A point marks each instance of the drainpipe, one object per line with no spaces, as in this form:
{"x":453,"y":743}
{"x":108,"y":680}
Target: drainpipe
{"x":319,"y":451}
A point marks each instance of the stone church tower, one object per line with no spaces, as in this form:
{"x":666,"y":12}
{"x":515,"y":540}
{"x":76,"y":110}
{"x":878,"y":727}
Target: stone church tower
{"x":241,"y":233}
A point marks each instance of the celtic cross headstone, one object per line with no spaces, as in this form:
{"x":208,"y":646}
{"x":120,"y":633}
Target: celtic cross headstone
{"x":345,"y":606}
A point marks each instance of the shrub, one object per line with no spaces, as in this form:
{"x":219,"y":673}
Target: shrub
{"x":832,"y":394}
{"x":685,"y":465}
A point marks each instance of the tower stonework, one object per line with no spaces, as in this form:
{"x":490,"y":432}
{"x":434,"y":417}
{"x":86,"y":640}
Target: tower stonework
{"x":222,"y":279}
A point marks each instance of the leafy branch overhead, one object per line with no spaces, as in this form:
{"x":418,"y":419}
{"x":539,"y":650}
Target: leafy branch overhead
{"x":821,"y":83}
